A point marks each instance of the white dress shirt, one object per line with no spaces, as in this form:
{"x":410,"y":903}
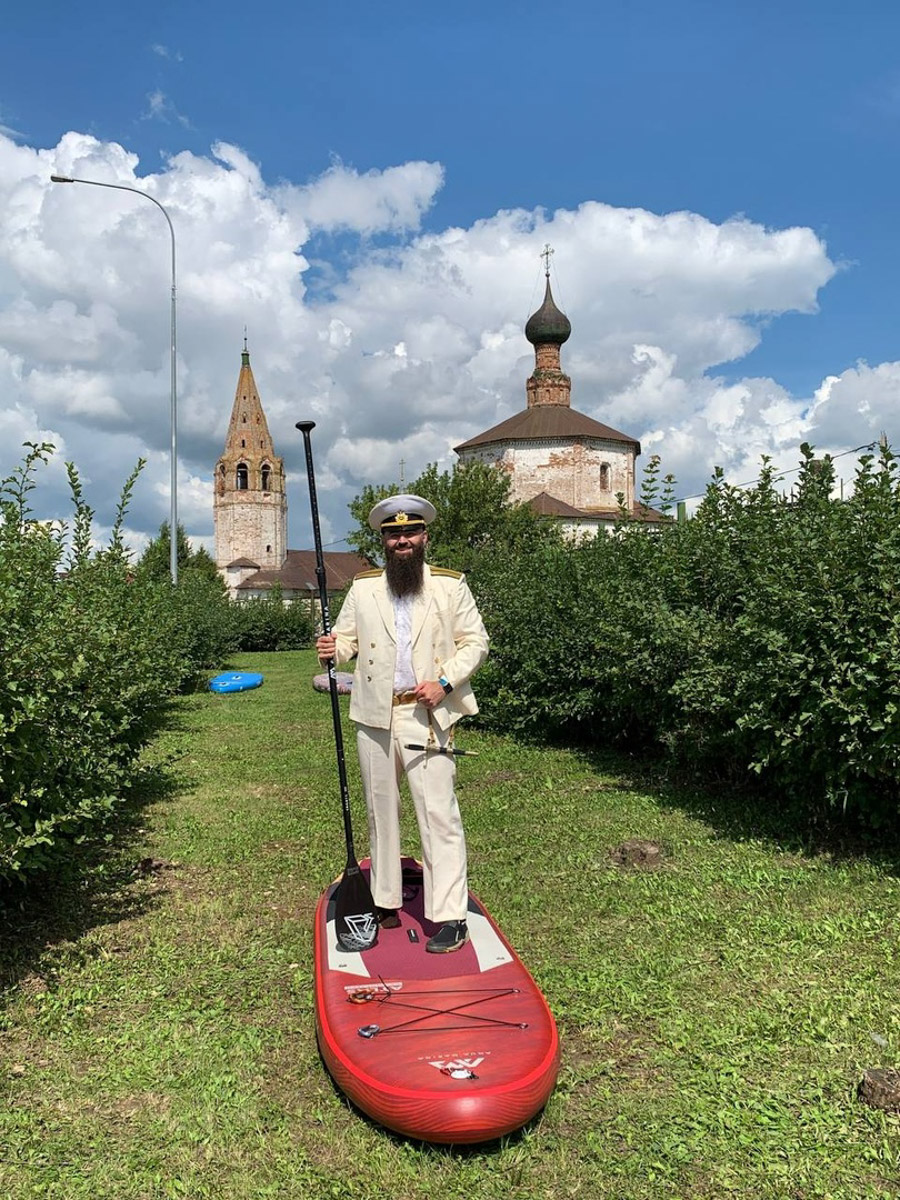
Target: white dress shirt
{"x":404,"y":675}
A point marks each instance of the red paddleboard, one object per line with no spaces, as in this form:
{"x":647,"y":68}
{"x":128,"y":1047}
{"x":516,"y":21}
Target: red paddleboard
{"x":452,"y":1048}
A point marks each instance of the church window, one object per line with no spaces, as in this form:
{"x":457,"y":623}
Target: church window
{"x":268,"y":549}
{"x":243,"y":443}
{"x":244,"y":418}
{"x":604,"y":477}
{"x":266,"y":478}
{"x":243,"y":479}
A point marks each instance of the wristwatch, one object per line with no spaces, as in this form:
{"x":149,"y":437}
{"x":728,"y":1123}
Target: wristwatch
{"x":446,"y":685}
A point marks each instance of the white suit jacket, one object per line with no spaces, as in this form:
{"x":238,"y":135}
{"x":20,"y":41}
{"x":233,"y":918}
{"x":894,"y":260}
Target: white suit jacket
{"x":448,"y":638}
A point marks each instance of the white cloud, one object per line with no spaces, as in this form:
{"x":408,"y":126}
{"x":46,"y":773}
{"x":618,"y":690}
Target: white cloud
{"x":161,"y":108}
{"x":8,"y":131}
{"x":394,"y":199}
{"x":164,"y":52}
{"x":417,"y":348}
{"x":856,"y":406}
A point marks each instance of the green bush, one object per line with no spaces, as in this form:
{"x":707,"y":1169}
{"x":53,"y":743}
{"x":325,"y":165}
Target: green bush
{"x":92,"y":651}
{"x":761,"y":638}
{"x":199,"y":611}
{"x":800,"y":681}
{"x":83,"y":652}
{"x":583,"y":642}
{"x":267,"y":623}
{"x":202,"y":621}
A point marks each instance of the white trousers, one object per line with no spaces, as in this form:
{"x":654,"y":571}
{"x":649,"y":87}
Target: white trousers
{"x":383,"y":757}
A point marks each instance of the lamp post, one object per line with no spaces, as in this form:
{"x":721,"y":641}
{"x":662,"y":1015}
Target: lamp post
{"x":173,"y":414}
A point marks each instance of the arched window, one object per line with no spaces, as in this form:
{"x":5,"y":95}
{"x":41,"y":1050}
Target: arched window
{"x":243,"y":479}
{"x":266,"y":477}
{"x":604,"y":477}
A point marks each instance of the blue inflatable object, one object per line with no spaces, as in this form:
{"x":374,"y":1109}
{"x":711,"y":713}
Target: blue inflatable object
{"x":235,"y":681}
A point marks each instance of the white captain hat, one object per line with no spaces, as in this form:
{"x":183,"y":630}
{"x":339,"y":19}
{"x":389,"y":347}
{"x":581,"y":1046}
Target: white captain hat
{"x":402,"y":512}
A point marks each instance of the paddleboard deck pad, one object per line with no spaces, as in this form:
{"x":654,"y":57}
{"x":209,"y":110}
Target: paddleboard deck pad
{"x":453,"y":1048}
{"x":235,"y":681}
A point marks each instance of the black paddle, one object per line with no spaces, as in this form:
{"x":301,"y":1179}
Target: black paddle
{"x":355,"y":920}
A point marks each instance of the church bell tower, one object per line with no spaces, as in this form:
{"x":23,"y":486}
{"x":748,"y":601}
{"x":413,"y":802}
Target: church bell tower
{"x":249,"y":506}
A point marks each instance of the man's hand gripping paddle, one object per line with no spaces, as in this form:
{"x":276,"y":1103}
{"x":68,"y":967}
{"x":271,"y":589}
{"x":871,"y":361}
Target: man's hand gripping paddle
{"x":355,"y":920}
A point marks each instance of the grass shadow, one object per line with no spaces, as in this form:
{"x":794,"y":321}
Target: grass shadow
{"x":90,"y":887}
{"x":738,"y":810}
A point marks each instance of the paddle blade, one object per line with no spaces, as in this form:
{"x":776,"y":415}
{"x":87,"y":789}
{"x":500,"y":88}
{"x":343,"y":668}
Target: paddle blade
{"x":355,"y":922}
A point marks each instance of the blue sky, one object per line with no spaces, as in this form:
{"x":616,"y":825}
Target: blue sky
{"x":787,"y":115}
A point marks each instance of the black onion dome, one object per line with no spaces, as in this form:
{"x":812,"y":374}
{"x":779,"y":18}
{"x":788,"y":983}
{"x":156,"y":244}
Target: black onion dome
{"x":548,"y":324}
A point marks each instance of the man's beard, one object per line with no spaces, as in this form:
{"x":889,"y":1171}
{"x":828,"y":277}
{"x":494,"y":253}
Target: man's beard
{"x":406,"y":572}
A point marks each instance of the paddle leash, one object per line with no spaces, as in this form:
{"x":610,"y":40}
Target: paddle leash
{"x":355,"y":921}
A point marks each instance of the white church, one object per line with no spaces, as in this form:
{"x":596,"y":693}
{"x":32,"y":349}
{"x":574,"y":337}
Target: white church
{"x":564,"y":464}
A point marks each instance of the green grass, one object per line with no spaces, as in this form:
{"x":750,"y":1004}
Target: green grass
{"x":157,"y":1038}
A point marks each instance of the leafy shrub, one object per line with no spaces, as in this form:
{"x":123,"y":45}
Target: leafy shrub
{"x":267,"y":623}
{"x":92,"y":651}
{"x":198,"y":610}
{"x":583,"y":643}
{"x":83,"y":653}
{"x":762,"y":637}
{"x":801,"y":684}
{"x":201,"y":619}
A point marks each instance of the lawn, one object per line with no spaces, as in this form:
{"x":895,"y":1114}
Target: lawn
{"x":716,"y":1012}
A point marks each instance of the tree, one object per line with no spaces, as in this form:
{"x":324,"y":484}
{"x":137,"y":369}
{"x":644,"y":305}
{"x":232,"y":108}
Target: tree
{"x":475,"y":517}
{"x":154,"y":562}
{"x":203,"y":563}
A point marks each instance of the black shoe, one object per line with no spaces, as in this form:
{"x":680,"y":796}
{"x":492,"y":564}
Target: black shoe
{"x":451,"y":936}
{"x":387,"y":918}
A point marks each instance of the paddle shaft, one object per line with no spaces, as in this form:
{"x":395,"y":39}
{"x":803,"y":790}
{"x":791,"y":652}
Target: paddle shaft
{"x":305,"y":427}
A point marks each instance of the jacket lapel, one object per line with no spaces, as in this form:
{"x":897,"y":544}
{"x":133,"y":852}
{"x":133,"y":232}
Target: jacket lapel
{"x":422,"y":605}
{"x":385,"y":607}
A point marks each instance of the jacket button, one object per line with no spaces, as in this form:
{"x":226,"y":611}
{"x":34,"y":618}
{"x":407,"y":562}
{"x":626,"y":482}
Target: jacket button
{"x":371,"y":661}
{"x":372,"y":645}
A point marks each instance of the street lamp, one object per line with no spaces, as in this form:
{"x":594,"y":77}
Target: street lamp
{"x":173,"y":491}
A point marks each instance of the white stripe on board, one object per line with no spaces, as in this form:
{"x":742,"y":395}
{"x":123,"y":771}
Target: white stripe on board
{"x":343,"y":960}
{"x":488,"y":948}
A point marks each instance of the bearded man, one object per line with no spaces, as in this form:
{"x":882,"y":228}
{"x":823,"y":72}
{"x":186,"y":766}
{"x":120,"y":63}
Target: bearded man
{"x":417,"y":637}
